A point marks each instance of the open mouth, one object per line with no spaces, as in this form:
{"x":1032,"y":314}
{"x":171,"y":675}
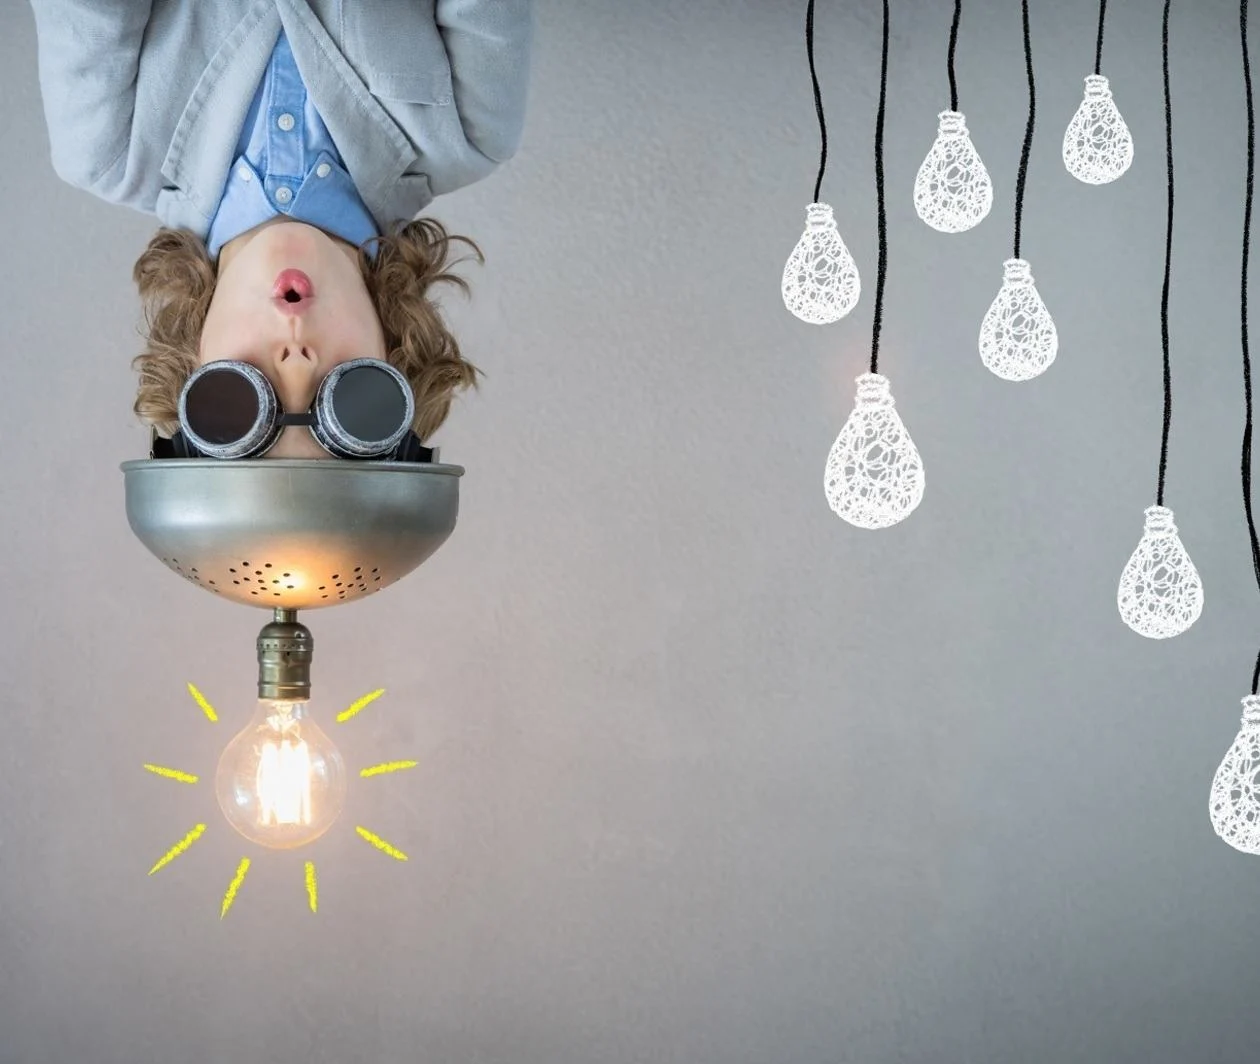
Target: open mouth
{"x":292,"y":286}
{"x":292,"y":292}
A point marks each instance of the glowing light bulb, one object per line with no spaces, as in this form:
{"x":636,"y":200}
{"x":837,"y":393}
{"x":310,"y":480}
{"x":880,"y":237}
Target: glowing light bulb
{"x":952,"y":191}
{"x":1097,"y":147}
{"x":1018,"y":340}
{"x":281,"y":782}
{"x":1160,"y":592}
{"x":820,"y":278}
{"x":1234,"y":805}
{"x":874,"y":474}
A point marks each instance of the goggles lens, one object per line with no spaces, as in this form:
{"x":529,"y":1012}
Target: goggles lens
{"x":368,"y":404}
{"x":221,"y":407}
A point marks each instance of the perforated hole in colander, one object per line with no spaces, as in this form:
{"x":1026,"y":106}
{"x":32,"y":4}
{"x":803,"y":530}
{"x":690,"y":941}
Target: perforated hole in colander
{"x":192,"y":575}
{"x":256,"y":578}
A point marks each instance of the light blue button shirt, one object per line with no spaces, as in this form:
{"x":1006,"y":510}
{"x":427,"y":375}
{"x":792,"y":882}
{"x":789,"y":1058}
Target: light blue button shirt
{"x":287,"y":164}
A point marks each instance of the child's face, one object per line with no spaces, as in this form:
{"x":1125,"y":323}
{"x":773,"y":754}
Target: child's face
{"x":294,"y":330}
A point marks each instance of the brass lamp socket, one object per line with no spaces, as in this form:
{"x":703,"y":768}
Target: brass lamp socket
{"x":285,"y":649}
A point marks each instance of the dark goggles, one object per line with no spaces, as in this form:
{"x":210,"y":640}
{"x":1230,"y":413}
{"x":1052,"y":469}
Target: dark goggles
{"x":362,"y":409}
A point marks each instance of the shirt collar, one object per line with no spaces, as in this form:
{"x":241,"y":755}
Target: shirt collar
{"x":330,"y":202}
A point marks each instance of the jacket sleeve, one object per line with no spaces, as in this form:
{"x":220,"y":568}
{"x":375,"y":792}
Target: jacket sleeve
{"x":488,"y":44}
{"x":89,"y":54}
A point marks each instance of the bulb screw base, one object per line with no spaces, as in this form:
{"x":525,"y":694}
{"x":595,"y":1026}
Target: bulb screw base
{"x":285,"y":649}
{"x":1096,"y":87}
{"x":819,"y":216}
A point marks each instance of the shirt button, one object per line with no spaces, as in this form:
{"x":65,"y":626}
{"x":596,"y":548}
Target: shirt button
{"x":285,"y":121}
{"x":284,"y":194}
{"x":323,"y":170}
{"x":243,"y":173}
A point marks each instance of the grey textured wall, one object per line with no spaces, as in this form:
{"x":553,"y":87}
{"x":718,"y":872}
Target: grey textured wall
{"x":707,"y":776}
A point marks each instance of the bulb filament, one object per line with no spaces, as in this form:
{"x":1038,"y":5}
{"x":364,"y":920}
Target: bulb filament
{"x":284,"y":783}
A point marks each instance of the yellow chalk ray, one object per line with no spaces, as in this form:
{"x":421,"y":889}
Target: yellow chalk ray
{"x":356,"y":706}
{"x":234,"y":886}
{"x":387,"y":766}
{"x":381,"y":844}
{"x":178,"y":848}
{"x":206,"y":707}
{"x":312,"y":889}
{"x":171,"y":773}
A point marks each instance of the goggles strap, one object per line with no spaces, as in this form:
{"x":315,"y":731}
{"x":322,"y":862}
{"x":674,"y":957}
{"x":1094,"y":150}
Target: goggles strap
{"x":307,"y":419}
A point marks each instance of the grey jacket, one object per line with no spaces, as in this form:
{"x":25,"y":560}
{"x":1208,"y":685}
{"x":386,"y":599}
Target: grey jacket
{"x":145,"y":99}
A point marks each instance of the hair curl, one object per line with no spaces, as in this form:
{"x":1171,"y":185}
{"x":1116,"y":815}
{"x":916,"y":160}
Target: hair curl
{"x":176,"y":278}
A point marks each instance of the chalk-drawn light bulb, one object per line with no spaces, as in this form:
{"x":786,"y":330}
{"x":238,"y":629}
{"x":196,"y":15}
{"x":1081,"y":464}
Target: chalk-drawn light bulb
{"x":820,"y":278}
{"x":281,"y":781}
{"x":1097,"y":147}
{"x":1160,"y":592}
{"x":874,"y":475}
{"x":952,"y":191}
{"x":1018,"y":340}
{"x":1234,"y":805}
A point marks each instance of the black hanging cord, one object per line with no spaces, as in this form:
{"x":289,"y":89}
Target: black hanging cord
{"x":1246,"y":347}
{"x":1022,"y":178}
{"x":813,"y":73}
{"x":953,"y":45}
{"x":1102,"y":17}
{"x":1163,"y":302}
{"x":882,"y":270}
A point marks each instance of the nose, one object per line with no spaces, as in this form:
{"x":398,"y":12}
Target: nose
{"x":295,"y":372}
{"x":296,"y":351}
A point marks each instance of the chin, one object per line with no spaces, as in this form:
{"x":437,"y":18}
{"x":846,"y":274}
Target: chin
{"x":289,"y":239}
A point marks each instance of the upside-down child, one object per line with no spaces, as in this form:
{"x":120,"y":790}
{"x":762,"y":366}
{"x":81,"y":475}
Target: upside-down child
{"x":287,"y":147}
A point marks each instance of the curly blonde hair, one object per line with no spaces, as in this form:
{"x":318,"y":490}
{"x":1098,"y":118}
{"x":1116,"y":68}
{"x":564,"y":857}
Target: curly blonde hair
{"x":176,"y":279}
